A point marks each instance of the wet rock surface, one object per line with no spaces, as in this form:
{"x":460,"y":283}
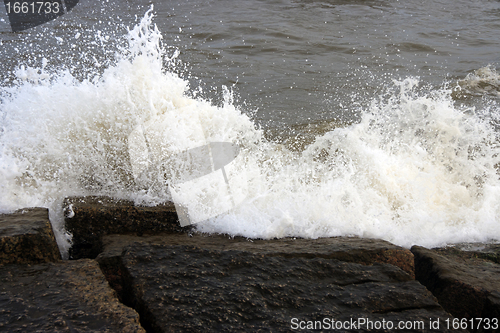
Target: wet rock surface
{"x":181,"y":281}
{"x":357,"y":250}
{"x":466,"y":283}
{"x":68,"y":296}
{"x":26,"y":237}
{"x":216,"y":284}
{"x":90,"y":218}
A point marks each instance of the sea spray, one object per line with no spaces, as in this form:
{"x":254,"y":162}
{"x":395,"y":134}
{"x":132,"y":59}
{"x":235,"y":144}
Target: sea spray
{"x":62,"y":136}
{"x":416,"y":169}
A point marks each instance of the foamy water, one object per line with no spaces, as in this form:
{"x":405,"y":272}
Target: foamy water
{"x":416,"y":169}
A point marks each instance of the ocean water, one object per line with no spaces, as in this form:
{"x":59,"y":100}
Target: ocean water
{"x":377,"y":119}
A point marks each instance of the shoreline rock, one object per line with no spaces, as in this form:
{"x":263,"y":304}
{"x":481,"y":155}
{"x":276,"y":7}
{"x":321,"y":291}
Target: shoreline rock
{"x":26,"y":237}
{"x":464,"y":283}
{"x":90,"y":218}
{"x":67,"y":296}
{"x":217,"y":284}
{"x":183,"y":281}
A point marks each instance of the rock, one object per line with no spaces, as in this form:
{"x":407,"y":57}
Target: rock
{"x":26,"y":237}
{"x":489,"y":252}
{"x":219,"y":284}
{"x":362,"y":251}
{"x":465,"y":284}
{"x":90,"y":218}
{"x":68,"y":296}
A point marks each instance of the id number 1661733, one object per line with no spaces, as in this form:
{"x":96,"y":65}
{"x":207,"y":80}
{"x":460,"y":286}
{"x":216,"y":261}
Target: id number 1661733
{"x":35,"y":7}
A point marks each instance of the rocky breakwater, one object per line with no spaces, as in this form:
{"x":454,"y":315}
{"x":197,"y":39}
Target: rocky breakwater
{"x":41,"y":293}
{"x":90,"y":218}
{"x":181,"y":281}
{"x":465,"y":279}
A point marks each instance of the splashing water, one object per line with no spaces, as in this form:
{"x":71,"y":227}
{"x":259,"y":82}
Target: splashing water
{"x":415,"y":170}
{"x":484,"y":81}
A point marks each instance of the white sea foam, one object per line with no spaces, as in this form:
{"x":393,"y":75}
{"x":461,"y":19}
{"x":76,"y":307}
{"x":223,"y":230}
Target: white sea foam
{"x":483,"y":81}
{"x":415,"y":170}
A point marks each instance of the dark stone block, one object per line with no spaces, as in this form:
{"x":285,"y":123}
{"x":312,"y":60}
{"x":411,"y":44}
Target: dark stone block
{"x":68,"y":296}
{"x":362,"y":251}
{"x":219,"y":284}
{"x":90,"y":218}
{"x":26,"y":237}
{"x":465,"y":284}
